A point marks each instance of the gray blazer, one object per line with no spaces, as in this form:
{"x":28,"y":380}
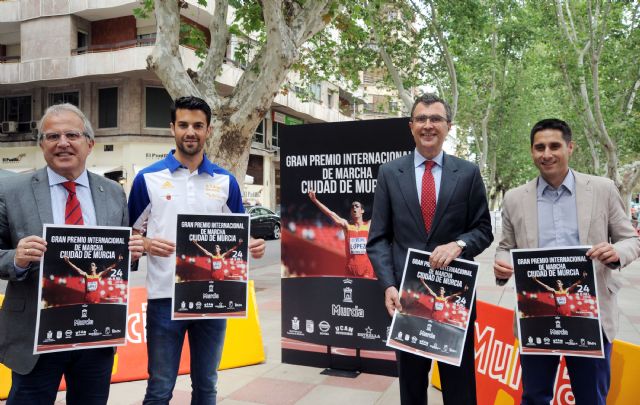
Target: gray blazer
{"x":397,"y":224}
{"x":601,"y":218}
{"x":25,"y":204}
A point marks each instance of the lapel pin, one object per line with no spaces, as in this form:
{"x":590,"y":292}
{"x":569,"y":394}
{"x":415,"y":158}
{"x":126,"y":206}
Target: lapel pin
{"x":101,"y":189}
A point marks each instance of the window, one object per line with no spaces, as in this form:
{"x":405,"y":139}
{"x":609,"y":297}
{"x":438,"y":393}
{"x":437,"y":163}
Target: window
{"x":16,"y":109}
{"x":315,"y":91}
{"x":83,"y":42}
{"x":72,"y":97}
{"x":158,"y":105}
{"x":108,"y":107}
{"x":274,"y":134}
{"x":258,"y":136}
{"x":255,"y":168}
{"x":330,"y":99}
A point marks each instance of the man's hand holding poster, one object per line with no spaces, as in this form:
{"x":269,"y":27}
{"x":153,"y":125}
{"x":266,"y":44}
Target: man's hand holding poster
{"x":212,"y":266}
{"x":84,"y":288}
{"x":558,"y":311}
{"x":436,"y":304}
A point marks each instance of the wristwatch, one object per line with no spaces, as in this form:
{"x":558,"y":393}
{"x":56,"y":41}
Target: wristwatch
{"x":462,"y":244}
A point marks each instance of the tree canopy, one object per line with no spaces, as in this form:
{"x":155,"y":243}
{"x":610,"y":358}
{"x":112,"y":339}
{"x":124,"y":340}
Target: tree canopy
{"x":502,"y":65}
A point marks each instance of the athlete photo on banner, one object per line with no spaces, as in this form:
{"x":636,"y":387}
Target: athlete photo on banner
{"x":84,"y":288}
{"x":436,"y":304}
{"x":330,"y":294}
{"x":212,"y":267}
{"x":557,"y":303}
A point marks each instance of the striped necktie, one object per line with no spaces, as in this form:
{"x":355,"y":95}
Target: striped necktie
{"x":72,"y":211}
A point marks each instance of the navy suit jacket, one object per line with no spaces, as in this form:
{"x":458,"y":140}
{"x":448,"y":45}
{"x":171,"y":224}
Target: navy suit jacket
{"x":397,"y":223}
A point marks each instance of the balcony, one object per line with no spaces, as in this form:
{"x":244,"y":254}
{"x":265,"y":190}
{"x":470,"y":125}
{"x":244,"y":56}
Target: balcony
{"x":107,"y":59}
{"x":9,"y":59}
{"x":134,"y":43}
{"x":9,"y":11}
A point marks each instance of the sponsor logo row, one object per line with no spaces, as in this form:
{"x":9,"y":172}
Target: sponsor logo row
{"x":324,"y":328}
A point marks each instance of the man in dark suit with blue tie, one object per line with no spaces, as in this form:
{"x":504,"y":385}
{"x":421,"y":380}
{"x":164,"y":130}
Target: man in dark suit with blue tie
{"x":63,"y":192}
{"x":436,"y":202}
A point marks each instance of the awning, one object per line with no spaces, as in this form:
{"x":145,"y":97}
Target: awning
{"x":20,"y":169}
{"x":101,"y":170}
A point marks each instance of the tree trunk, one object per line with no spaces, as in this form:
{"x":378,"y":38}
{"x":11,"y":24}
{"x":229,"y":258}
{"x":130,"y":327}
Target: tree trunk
{"x":235,"y":117}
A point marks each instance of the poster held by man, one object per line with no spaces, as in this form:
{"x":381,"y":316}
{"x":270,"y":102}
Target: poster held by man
{"x":212,"y":266}
{"x":84,"y":288}
{"x":436,"y":304}
{"x":556,"y":294}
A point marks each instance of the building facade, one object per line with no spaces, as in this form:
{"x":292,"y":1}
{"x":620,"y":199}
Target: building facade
{"x":92,"y":53}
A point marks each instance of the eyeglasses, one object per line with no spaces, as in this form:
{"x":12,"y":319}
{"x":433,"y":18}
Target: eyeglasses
{"x":435,"y":119}
{"x":54,"y":137}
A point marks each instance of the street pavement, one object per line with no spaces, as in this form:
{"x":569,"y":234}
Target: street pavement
{"x":275,"y":383}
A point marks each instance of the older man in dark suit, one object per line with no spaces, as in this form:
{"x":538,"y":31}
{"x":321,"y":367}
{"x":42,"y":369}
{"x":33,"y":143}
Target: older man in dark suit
{"x":61,"y":193}
{"x":436,"y":202}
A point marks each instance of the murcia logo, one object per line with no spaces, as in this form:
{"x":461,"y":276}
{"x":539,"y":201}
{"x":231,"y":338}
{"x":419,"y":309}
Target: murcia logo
{"x":347,"y":292}
{"x":295,"y":323}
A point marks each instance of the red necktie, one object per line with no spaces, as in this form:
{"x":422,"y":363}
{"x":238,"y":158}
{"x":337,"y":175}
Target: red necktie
{"x":72,"y":211}
{"x":428,"y":196}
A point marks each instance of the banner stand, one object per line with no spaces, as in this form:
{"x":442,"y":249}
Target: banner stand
{"x":347,"y":369}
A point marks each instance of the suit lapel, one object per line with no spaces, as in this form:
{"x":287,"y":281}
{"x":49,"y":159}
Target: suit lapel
{"x":448,"y":182}
{"x":42,"y":194}
{"x":530,"y":210}
{"x":99,"y":200}
{"x":406,"y":177}
{"x":584,"y":204}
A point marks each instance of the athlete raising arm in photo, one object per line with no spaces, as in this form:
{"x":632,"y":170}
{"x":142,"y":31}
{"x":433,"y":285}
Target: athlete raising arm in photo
{"x":356,"y":233}
{"x":91,"y":279}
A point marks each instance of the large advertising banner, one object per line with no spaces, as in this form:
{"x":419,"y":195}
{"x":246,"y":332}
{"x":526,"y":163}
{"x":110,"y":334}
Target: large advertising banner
{"x":333,"y":312}
{"x":558,"y":311}
{"x":436,"y":304}
{"x":212,"y":266}
{"x":84,"y":288}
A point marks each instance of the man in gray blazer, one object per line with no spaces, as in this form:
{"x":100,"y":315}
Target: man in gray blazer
{"x":26,"y":203}
{"x":431,"y":201}
{"x":562,"y":207}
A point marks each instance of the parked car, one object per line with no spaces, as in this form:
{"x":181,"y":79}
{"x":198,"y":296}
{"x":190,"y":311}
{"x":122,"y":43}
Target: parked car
{"x":635,"y":210}
{"x":264,"y":222}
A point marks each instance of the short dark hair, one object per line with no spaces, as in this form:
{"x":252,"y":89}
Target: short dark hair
{"x":190,"y":103}
{"x":552,"y":123}
{"x":428,"y":99}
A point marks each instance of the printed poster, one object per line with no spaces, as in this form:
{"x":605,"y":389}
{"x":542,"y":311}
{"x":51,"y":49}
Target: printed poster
{"x":436,"y":306}
{"x":212,"y":266}
{"x":557,"y":302}
{"x":84,"y":288}
{"x":333,"y":312}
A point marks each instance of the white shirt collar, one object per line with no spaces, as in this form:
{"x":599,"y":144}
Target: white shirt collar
{"x":55,"y":178}
{"x":418,"y":159}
